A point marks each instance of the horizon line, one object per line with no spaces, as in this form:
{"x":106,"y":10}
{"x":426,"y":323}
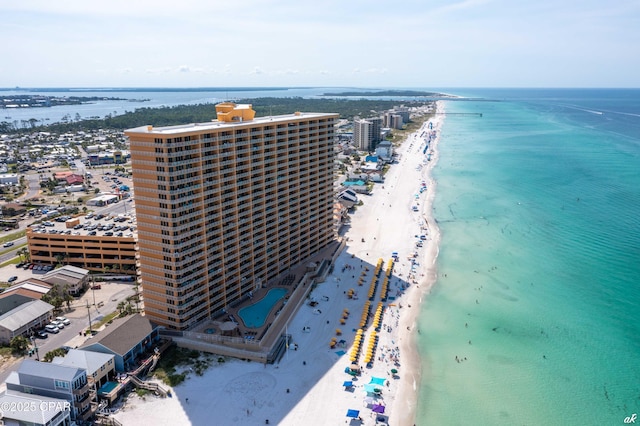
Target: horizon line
{"x":250,"y":88}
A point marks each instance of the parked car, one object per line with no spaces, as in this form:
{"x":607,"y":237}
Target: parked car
{"x":63,"y":320}
{"x":49,"y":328}
{"x":57,"y":324}
{"x":12,"y":279}
{"x":41,"y":334}
{"x":96,"y":287}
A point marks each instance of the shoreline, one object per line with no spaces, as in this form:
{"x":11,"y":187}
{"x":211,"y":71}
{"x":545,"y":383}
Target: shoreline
{"x":406,"y":400}
{"x":305,"y":386}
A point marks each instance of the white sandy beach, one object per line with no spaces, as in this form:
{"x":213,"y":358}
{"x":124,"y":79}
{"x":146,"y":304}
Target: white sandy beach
{"x":306,"y":386}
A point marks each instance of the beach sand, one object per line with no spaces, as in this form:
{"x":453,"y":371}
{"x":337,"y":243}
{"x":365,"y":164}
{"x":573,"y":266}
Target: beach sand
{"x":306,"y":386}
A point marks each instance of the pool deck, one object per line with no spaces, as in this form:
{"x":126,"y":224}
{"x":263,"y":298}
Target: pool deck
{"x":258,"y":339}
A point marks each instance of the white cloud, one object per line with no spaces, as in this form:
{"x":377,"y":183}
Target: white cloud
{"x":448,"y":42}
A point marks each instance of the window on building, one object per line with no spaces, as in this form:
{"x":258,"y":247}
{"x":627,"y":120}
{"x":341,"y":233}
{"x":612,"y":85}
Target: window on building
{"x":61,"y":384}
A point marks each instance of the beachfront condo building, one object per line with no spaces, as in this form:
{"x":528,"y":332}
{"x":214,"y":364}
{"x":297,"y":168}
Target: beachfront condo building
{"x":223,"y":207}
{"x":366,"y":133}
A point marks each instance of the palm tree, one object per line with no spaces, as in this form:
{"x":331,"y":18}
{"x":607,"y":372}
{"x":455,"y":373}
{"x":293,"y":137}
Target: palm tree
{"x":66,"y":296}
{"x":21,"y":254}
{"x":60,"y":258}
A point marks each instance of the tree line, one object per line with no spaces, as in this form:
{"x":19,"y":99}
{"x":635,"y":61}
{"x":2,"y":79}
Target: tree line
{"x":184,"y":114}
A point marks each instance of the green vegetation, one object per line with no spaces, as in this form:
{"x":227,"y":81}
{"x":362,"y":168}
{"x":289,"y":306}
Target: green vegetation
{"x":57,"y":296}
{"x":390,"y":93}
{"x":106,"y":319}
{"x":184,"y":114}
{"x":12,"y":237}
{"x":174,"y":357}
{"x":49,"y":356}
{"x":19,"y":345}
{"x":398,"y":135}
{"x":142,"y":392}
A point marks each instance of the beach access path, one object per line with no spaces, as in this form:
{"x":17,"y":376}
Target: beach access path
{"x":306,"y":386}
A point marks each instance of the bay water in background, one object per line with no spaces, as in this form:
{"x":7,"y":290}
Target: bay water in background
{"x":128,"y":100}
{"x":534,"y":319}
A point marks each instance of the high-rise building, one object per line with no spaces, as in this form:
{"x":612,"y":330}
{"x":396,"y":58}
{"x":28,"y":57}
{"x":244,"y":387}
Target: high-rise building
{"x":366,"y":133}
{"x":224,"y":206}
{"x":393,"y":120}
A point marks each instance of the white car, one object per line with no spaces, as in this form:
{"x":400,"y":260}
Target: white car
{"x":58,"y":324}
{"x":51,"y":329}
{"x":63,"y":320}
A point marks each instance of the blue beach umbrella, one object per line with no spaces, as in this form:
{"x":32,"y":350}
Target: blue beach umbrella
{"x":353,"y":413}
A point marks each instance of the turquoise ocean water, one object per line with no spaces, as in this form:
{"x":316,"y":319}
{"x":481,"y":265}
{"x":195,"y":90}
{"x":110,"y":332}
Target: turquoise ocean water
{"x":538,"y":295}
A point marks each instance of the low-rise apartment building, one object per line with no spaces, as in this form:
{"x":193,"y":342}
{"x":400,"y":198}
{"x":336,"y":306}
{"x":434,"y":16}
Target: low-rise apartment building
{"x":24,"y":320}
{"x":54,"y":381}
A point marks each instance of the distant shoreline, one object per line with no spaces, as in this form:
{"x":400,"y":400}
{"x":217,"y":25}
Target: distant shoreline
{"x":392,"y":93}
{"x":141,"y":89}
{"x":40,"y":101}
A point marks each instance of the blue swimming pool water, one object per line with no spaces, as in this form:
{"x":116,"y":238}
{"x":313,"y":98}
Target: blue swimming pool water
{"x":108,"y":387}
{"x":255,"y":315}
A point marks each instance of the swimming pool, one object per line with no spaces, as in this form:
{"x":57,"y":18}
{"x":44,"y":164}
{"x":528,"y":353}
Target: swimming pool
{"x":255,"y":315}
{"x":108,"y":387}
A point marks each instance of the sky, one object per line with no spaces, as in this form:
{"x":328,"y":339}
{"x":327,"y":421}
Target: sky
{"x":346,"y":43}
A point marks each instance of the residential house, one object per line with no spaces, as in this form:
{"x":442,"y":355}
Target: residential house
{"x":54,"y":381}
{"x":348,"y":198}
{"x":100,"y":367}
{"x":127,"y":339}
{"x":385,"y":151}
{"x":47,"y":411}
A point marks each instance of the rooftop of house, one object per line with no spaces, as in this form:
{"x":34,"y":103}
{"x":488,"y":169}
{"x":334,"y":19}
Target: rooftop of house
{"x":13,"y":405}
{"x":24,"y":314}
{"x":87,"y":360}
{"x":47,"y":370}
{"x":123,"y":334}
